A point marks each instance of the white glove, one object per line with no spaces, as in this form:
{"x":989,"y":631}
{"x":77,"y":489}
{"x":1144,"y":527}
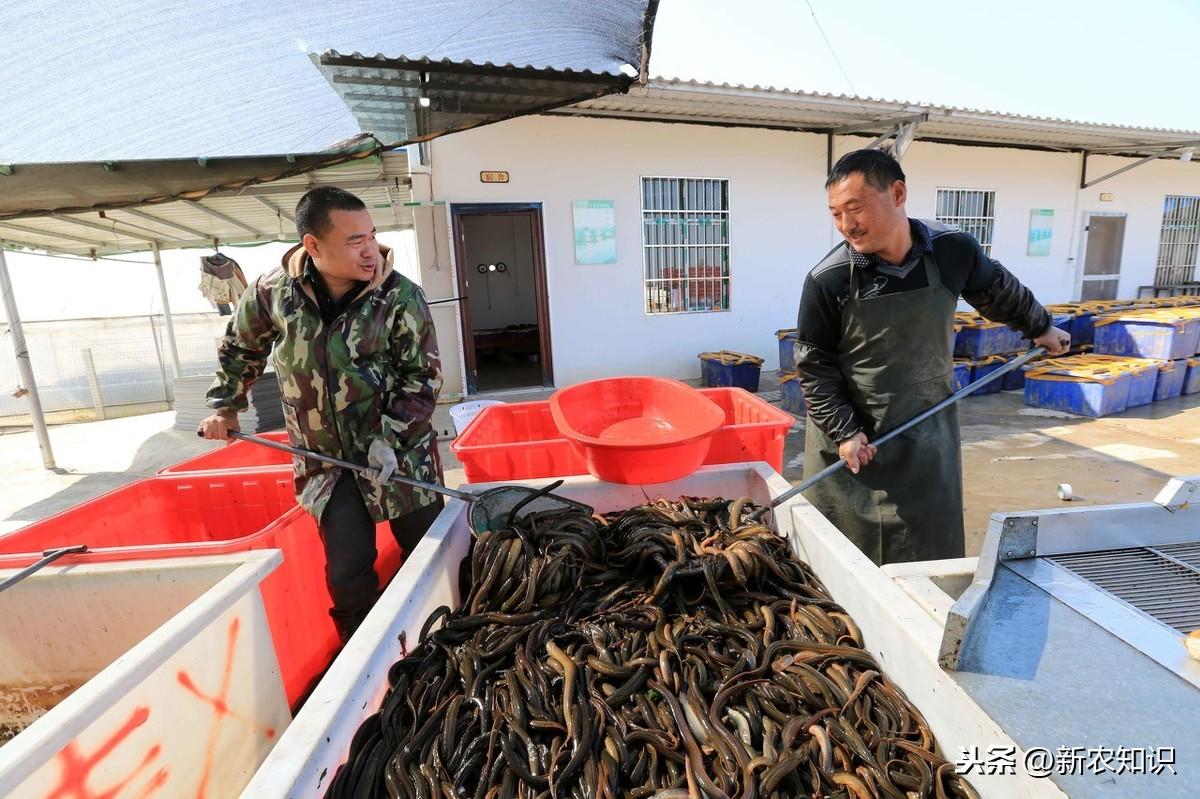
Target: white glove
{"x":381,"y":462}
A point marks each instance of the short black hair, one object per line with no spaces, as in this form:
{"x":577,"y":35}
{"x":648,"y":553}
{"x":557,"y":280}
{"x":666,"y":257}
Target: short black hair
{"x":877,"y":167}
{"x":312,"y":212}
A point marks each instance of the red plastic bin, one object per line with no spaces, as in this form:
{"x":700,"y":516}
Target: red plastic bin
{"x":214,"y":513}
{"x":236,"y":455}
{"x":520,"y":441}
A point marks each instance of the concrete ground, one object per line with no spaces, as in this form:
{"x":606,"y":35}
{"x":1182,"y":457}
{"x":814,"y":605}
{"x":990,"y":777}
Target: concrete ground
{"x":1013,"y":457}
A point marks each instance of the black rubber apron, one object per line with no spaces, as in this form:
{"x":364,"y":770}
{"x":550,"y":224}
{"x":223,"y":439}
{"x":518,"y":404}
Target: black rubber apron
{"x":896,"y":358}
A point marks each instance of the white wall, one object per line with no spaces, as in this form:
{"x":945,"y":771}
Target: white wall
{"x":780,"y":225}
{"x":1023,"y":180}
{"x":597,"y":322}
{"x":1139,"y":194}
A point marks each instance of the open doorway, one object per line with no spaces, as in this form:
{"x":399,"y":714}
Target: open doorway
{"x":502,"y":278}
{"x":1103,"y":242}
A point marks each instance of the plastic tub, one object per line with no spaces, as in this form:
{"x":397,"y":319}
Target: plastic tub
{"x":982,"y":368}
{"x":1171,"y":375}
{"x":637,"y":430}
{"x":730,"y":369}
{"x":209,"y":513}
{"x":787,"y":349}
{"x":1143,"y":374}
{"x":980,"y":338}
{"x":519,"y":440}
{"x":236,"y":455}
{"x":465,"y":412}
{"x":791,"y":394}
{"x":895,"y":629}
{"x":753,"y":430}
{"x":1191,"y":381}
{"x":1088,"y":391}
{"x":962,"y":374}
{"x":173,"y":688}
{"x":1163,"y":334}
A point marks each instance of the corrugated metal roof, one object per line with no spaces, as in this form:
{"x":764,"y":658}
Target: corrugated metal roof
{"x":247,"y":212}
{"x":405,"y":100}
{"x":674,"y":99}
{"x":129,"y":80}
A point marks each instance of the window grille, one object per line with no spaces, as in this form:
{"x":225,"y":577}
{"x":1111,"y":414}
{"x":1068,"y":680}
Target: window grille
{"x":685,"y":244}
{"x":1178,"y":240}
{"x":971,"y":211}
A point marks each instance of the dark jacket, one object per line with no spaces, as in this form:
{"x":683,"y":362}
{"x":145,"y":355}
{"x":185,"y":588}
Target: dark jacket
{"x":964,"y":268}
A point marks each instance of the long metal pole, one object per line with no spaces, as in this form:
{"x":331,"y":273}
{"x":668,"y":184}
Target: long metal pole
{"x":23,"y":364}
{"x":172,"y":349}
{"x":1016,"y":363}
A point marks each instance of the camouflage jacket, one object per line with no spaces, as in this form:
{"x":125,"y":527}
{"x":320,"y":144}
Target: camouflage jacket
{"x":372,"y":373}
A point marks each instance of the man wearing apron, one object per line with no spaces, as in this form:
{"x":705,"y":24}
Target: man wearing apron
{"x":875,"y":348}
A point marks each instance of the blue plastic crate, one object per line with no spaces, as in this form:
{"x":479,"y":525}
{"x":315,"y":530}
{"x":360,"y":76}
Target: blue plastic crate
{"x":1084,"y":394}
{"x":981,"y":341}
{"x":787,"y":349}
{"x":730,"y":369}
{"x":1082,"y":328}
{"x":962,"y":374}
{"x":1191,"y":380}
{"x":1142,"y":383}
{"x":984,"y":367}
{"x":1170,"y":380}
{"x":791,"y":396}
{"x":1163,"y":338}
{"x":1014,"y":380}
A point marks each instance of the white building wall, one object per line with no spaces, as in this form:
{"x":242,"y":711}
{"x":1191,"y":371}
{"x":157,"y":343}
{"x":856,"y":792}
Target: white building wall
{"x":1139,"y":194}
{"x":780,"y":225}
{"x":597,"y":319}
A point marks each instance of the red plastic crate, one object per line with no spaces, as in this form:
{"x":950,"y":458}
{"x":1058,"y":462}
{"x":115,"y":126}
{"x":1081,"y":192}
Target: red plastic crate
{"x":214,"y":513}
{"x":236,"y":455}
{"x":520,"y":441}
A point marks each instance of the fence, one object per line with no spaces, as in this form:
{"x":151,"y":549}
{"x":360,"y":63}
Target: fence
{"x":101,"y":364}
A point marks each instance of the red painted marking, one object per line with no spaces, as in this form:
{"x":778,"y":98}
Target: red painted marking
{"x":219,"y":702}
{"x":76,"y":768}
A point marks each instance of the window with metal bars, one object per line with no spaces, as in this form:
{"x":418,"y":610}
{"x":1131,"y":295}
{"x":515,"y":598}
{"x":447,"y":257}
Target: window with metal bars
{"x":971,"y":211}
{"x":685,"y":244}
{"x":1179,"y":240}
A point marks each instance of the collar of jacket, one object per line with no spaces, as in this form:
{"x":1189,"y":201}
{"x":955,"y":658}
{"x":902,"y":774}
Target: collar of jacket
{"x":294,"y":261}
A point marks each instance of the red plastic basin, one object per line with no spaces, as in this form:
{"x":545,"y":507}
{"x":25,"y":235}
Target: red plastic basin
{"x":214,"y":513}
{"x":519,"y":440}
{"x":637,"y":430}
{"x":236,"y":455}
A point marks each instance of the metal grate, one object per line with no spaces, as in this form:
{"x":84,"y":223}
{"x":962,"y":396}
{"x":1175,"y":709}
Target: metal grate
{"x":685,"y":244}
{"x":1162,"y":582}
{"x":1179,"y":240}
{"x":971,"y":211}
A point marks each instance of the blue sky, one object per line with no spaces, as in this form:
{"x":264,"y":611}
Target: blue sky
{"x":1125,"y":63}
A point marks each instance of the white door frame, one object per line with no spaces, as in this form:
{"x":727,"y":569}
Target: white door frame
{"x":1081,"y":258}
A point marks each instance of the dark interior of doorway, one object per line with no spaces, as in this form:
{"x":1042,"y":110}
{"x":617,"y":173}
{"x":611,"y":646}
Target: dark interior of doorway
{"x":501,"y":253}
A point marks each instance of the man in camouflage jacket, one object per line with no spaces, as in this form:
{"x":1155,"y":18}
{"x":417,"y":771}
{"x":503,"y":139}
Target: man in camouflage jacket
{"x":353,"y":348}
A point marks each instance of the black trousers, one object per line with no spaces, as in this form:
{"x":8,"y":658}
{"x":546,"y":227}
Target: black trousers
{"x":348,"y":534}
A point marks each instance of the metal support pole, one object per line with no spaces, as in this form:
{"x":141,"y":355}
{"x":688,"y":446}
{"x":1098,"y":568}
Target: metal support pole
{"x":172,"y":349}
{"x":23,"y":365}
{"x":89,"y":366}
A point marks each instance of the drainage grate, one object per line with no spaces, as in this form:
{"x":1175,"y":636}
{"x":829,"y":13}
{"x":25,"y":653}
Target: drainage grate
{"x":1162,"y":582}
